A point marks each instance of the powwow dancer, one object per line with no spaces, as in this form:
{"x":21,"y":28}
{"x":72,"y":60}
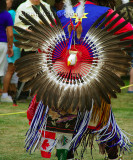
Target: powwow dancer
{"x":73,"y":78}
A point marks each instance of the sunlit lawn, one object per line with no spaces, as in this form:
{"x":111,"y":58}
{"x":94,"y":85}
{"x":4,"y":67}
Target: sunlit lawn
{"x":14,"y":127}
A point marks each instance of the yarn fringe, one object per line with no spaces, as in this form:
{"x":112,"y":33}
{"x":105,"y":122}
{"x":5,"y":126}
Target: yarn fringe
{"x":33,"y":135}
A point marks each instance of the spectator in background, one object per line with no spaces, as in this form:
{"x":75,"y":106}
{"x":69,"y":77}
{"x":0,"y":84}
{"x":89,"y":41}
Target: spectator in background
{"x":58,"y":5}
{"x":27,"y":7}
{"x":6,"y":41}
{"x":16,"y":51}
{"x":130,"y":89}
{"x":9,"y":4}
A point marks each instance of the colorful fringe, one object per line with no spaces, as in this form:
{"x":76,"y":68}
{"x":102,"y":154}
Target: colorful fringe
{"x":80,"y":128}
{"x":39,"y":121}
{"x":112,"y":131}
{"x":109,"y":135}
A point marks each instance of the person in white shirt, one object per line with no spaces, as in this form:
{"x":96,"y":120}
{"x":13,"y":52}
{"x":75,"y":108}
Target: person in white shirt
{"x":27,"y":7}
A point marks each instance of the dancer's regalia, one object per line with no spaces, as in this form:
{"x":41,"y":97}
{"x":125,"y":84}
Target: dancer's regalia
{"x":73,"y":77}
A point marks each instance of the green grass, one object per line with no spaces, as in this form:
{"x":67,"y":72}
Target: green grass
{"x":14,"y":127}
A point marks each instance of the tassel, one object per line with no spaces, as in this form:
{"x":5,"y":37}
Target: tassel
{"x":70,"y":29}
{"x":79,"y":30}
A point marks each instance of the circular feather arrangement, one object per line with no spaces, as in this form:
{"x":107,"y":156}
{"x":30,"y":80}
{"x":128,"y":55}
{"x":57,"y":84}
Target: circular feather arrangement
{"x":73,"y":78}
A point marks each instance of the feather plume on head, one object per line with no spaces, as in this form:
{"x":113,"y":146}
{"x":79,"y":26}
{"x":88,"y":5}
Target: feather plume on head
{"x":80,"y":12}
{"x":80,"y":9}
{"x":69,"y":12}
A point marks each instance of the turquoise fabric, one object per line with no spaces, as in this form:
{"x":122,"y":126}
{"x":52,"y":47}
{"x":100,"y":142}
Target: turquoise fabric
{"x":13,"y":13}
{"x":16,"y":55}
{"x":16,"y":50}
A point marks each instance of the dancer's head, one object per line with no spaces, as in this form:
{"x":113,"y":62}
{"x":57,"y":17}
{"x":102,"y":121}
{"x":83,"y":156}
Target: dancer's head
{"x":59,"y":4}
{"x":35,"y":2}
{"x":16,"y":3}
{"x":107,"y":3}
{"x":3,"y":5}
{"x":9,"y":4}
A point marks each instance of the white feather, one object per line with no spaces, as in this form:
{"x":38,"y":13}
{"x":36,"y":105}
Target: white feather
{"x":80,"y":9}
{"x":125,"y":1}
{"x":69,"y":12}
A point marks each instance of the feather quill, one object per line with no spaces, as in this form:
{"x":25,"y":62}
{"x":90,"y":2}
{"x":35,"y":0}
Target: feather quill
{"x":50,"y":17}
{"x":76,"y":98}
{"x":94,"y":92}
{"x":26,"y":46}
{"x":45,"y":92}
{"x":25,"y":21}
{"x":105,"y":85}
{"x":67,"y":105}
{"x":88,"y":98}
{"x":56,"y":95}
{"x":58,"y":23}
{"x":63,"y":98}
{"x":31,"y":82}
{"x":32,"y":20}
{"x":103,"y":92}
{"x":51,"y":94}
{"x":82,"y":102}
{"x":38,"y":84}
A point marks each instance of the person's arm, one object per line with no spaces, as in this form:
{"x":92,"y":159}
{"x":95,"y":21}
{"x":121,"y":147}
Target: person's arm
{"x":9,"y":32}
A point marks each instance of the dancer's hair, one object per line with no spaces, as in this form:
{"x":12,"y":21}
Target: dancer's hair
{"x":16,"y":4}
{"x":107,"y":3}
{"x":2,"y":5}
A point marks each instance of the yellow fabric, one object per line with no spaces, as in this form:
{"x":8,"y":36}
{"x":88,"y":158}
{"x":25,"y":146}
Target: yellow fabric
{"x":100,"y":114}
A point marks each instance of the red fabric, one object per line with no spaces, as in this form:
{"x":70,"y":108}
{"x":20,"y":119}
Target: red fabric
{"x":45,"y":154}
{"x":126,"y":28}
{"x":98,"y":125}
{"x":47,"y":135}
{"x":42,"y":133}
{"x":50,"y":135}
{"x":87,"y":2}
{"x":60,"y":64}
{"x":31,"y":110}
{"x":45,"y":144}
{"x":78,"y":25}
{"x":39,"y":50}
